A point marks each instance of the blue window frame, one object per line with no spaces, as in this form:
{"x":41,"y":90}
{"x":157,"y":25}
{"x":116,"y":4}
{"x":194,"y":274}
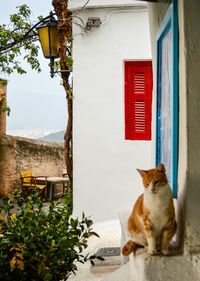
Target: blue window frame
{"x":167,"y":95}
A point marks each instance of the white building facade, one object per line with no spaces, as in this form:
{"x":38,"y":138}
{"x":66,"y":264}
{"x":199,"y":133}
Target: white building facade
{"x":106,"y":34}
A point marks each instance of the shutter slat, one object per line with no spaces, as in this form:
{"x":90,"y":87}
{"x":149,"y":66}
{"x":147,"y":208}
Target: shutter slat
{"x":139,"y":84}
{"x":140,"y":116}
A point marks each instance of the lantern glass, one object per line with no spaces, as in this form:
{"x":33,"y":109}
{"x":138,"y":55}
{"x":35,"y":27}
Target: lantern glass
{"x":48,"y":35}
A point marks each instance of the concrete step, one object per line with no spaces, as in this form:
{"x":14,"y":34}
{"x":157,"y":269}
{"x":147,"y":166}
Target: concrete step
{"x":121,"y":274}
{"x":176,"y":266}
{"x":158,"y":268}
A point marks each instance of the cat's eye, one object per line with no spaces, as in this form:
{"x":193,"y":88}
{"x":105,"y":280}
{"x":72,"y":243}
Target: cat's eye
{"x":155,"y":182}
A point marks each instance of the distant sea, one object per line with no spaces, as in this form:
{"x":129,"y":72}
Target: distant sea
{"x":41,"y":134}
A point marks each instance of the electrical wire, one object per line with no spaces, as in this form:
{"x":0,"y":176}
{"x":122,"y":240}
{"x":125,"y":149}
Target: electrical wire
{"x":80,"y":19}
{"x":142,"y":9}
{"x":82,"y":26}
{"x":81,"y":8}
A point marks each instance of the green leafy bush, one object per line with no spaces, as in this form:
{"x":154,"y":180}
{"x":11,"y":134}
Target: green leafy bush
{"x":67,"y":199}
{"x":40,"y":244}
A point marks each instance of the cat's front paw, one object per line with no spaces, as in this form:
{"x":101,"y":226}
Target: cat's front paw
{"x":165,"y":252}
{"x":152,"y":252}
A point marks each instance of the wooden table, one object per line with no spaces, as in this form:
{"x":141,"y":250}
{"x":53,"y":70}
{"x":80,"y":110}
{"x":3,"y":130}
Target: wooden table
{"x":53,"y":181}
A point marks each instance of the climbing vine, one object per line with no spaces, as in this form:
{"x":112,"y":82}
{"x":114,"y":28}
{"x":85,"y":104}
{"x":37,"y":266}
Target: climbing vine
{"x":65,"y":40}
{"x":3,"y":102}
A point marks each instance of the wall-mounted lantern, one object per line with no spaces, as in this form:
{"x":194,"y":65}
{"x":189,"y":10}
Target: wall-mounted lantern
{"x":48,"y":36}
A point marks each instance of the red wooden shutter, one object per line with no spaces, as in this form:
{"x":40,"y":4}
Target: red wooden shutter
{"x":138,"y":100}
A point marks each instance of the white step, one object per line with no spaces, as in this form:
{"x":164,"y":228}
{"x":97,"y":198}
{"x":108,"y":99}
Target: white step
{"x":160,"y":268}
{"x":121,"y":274}
{"x":142,"y":267}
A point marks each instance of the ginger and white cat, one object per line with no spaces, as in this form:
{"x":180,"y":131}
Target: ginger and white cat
{"x":152,"y":222}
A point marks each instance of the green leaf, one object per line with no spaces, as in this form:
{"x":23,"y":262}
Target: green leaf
{"x":100,"y":258}
{"x":94,"y":233}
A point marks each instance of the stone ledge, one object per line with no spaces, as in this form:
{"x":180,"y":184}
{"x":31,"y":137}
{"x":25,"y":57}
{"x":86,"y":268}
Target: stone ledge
{"x":150,"y":268}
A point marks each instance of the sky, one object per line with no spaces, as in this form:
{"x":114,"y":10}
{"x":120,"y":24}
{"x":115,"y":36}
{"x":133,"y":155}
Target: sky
{"x":36,"y":100}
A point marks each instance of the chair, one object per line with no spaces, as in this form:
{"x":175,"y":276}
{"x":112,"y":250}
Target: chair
{"x":66,"y":185}
{"x":30,"y":182}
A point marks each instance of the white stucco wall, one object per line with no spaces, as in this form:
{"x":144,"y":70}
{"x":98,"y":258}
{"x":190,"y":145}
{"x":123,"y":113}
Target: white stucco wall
{"x":105,"y":177}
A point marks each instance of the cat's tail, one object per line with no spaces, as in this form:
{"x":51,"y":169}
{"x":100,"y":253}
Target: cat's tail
{"x":130,"y":247}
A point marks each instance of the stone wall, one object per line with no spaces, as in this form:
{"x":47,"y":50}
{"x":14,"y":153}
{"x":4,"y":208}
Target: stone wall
{"x":16,"y":154}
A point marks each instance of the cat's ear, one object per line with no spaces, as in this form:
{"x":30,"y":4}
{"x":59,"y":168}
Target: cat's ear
{"x":161,"y":167}
{"x":141,"y":172}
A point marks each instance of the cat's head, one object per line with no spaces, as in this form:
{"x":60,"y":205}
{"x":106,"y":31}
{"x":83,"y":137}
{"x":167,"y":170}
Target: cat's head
{"x":154,"y":179}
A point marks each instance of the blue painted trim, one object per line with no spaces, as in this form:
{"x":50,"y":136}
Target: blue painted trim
{"x":175,"y":97}
{"x":170,"y":22}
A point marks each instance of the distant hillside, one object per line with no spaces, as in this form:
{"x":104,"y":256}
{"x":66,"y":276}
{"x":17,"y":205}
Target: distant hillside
{"x":54,"y":137}
{"x":30,"y":133}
